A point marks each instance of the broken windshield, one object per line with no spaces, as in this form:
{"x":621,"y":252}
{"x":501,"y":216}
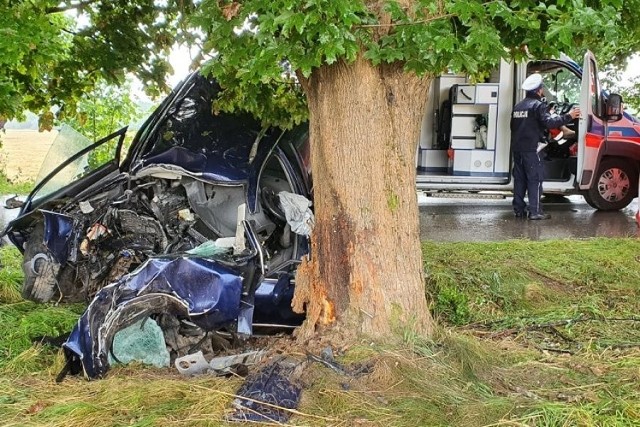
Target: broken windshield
{"x":68,"y":147}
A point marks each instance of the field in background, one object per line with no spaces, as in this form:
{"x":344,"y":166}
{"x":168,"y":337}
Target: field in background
{"x":23,"y":152}
{"x":530,"y":334}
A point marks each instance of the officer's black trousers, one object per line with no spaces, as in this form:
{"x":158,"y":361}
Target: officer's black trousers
{"x":528,"y":174}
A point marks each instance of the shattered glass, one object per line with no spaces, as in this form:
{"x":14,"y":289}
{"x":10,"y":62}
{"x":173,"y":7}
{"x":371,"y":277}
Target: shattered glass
{"x":141,"y":342}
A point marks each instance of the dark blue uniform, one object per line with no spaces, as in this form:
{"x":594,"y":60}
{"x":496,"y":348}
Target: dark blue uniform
{"x":529,"y":121}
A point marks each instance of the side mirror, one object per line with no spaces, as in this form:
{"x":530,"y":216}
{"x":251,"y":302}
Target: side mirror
{"x":612,"y":107}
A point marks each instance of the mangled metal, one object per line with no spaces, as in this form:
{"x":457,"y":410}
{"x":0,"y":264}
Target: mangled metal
{"x":205,"y":291}
{"x":188,"y":229}
{"x":196,"y":364}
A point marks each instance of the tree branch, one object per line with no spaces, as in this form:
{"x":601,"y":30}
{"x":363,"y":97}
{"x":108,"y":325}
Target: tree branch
{"x":70,"y":6}
{"x":400,"y":24}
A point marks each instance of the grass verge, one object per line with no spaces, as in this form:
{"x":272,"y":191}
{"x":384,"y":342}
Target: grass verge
{"x":530,"y":334}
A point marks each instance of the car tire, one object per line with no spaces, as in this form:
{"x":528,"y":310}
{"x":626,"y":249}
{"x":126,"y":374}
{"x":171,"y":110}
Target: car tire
{"x":614,"y":186}
{"x":39,"y":269}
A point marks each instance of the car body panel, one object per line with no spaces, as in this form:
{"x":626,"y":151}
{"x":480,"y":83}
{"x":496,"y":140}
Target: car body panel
{"x":204,"y":290}
{"x":58,"y":229}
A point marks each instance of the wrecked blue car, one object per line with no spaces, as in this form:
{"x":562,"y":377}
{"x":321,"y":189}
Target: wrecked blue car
{"x":200,"y":227}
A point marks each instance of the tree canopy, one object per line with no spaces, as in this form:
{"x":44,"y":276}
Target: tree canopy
{"x":255,"y":40}
{"x":55,"y":51}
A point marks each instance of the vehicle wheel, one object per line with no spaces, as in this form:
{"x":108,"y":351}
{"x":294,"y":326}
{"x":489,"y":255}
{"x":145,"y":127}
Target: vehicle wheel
{"x":40,"y":270}
{"x":614,"y":186}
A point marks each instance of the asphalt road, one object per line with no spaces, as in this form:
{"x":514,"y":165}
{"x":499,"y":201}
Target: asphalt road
{"x":474,"y":220}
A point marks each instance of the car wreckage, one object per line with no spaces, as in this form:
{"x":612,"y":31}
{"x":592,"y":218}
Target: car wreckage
{"x":199,"y":228}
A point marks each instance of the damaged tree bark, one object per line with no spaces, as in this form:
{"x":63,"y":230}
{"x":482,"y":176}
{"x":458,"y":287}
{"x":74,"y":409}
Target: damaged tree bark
{"x":365,"y":271}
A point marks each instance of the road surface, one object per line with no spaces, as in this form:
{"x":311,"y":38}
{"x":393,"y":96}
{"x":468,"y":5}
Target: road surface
{"x":474,"y":220}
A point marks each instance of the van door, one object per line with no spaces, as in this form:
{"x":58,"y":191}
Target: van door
{"x":562,"y":80}
{"x":590,"y":129}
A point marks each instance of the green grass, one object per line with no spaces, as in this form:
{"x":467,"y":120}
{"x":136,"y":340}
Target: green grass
{"x":529,"y":334}
{"x":10,"y":275}
{"x":476,"y":282}
{"x":7,"y":186}
{"x":23,"y":322}
{"x":22,"y":325}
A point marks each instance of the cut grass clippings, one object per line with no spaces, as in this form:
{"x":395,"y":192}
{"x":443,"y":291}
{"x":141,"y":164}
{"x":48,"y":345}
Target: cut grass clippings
{"x":530,"y":334}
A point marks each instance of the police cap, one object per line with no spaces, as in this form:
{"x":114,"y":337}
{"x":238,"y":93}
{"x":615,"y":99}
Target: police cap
{"x":533,"y":82}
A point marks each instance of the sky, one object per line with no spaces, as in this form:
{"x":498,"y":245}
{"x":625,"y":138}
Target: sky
{"x":632,"y":70}
{"x":180,"y":60}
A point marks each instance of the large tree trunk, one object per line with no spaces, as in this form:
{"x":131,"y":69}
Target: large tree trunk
{"x":365,"y":271}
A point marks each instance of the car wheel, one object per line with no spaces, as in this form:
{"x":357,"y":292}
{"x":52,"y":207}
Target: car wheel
{"x":40,"y":270}
{"x":614,"y":186}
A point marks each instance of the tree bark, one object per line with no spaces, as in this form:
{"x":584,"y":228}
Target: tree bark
{"x":364,"y":274}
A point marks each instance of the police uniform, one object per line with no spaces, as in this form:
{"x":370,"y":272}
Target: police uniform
{"x":529,"y":122}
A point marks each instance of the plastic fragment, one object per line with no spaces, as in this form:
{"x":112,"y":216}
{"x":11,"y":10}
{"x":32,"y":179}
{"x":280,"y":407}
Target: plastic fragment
{"x":85,"y":207}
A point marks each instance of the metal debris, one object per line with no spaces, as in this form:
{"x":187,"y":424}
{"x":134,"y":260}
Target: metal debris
{"x":196,"y":364}
{"x":268,"y":396}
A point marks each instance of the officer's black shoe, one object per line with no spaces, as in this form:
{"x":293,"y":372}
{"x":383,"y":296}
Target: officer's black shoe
{"x":520,"y":215}
{"x":540,"y":216}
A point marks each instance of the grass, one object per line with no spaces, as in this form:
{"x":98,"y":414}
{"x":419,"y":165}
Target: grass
{"x":484,"y":282}
{"x":10,"y":275}
{"x":8,"y":186}
{"x":529,"y":334}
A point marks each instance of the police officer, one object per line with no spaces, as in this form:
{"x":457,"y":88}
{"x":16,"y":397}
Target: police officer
{"x":529,"y":122}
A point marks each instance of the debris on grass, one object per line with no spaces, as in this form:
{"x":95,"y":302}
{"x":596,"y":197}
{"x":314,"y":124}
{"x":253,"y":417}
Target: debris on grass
{"x":237,"y":364}
{"x":268,"y":395}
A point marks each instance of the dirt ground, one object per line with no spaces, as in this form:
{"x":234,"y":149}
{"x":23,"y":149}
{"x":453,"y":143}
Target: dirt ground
{"x":23,"y":152}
